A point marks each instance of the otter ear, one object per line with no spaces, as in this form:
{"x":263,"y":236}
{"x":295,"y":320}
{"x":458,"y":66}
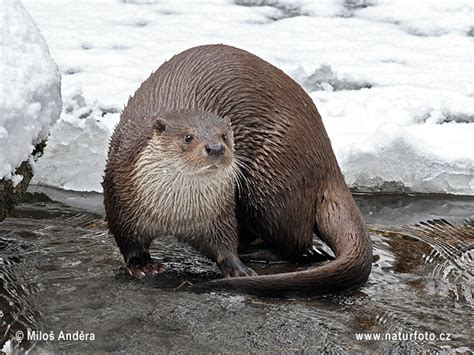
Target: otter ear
{"x":159,"y":124}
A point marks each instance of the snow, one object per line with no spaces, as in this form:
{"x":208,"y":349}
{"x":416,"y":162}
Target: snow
{"x":393,"y":80}
{"x":30,"y":97}
{"x":77,"y":146}
{"x":8,"y":347}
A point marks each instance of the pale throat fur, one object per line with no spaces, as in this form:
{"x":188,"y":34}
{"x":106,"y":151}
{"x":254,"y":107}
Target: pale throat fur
{"x":176,"y":200}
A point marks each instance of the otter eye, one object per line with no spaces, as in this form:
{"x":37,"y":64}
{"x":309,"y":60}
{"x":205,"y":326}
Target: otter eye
{"x":224,"y":137}
{"x":188,"y":138}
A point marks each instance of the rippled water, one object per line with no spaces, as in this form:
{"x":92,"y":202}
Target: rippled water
{"x":60,"y":271}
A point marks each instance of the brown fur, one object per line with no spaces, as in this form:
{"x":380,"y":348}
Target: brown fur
{"x":290,"y":185}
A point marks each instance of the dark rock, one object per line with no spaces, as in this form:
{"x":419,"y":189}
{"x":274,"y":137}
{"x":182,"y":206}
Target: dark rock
{"x":10,"y":195}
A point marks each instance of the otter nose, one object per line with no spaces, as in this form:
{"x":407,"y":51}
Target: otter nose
{"x":214,"y":149}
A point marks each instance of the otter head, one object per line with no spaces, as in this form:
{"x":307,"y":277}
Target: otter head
{"x":195,"y":142}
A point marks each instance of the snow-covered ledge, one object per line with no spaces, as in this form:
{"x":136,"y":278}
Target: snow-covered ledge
{"x":30,"y":100}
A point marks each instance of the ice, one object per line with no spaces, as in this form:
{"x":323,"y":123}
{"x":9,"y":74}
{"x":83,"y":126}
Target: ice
{"x":391,"y":79}
{"x":30,"y":98}
{"x":395,"y":159}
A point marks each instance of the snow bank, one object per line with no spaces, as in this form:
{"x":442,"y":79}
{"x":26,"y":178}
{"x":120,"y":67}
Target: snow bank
{"x":74,"y":157}
{"x":391,"y":79}
{"x":30,"y":97}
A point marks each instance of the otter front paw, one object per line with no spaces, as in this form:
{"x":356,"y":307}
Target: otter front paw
{"x":139,"y":269}
{"x":233,"y":267}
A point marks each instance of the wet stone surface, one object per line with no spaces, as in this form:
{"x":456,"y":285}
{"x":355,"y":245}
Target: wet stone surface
{"x":60,"y":271}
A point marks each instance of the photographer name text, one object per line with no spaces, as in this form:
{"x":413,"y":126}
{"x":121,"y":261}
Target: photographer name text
{"x":38,"y":335}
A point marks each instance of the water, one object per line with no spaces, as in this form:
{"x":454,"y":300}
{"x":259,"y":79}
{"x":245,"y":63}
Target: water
{"x":60,"y":271}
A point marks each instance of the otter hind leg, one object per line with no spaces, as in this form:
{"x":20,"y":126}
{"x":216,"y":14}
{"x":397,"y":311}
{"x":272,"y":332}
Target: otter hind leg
{"x":311,"y":255}
{"x":263,"y":255}
{"x":292,"y":236}
{"x":314,"y":254}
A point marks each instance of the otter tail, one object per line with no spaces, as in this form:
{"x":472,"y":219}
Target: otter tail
{"x":340,"y":225}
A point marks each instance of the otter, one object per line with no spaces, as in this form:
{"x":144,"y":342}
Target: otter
{"x":219,"y":148}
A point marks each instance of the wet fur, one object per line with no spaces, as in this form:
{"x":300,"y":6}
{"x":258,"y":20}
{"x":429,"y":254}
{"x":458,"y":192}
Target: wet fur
{"x":289,"y":186}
